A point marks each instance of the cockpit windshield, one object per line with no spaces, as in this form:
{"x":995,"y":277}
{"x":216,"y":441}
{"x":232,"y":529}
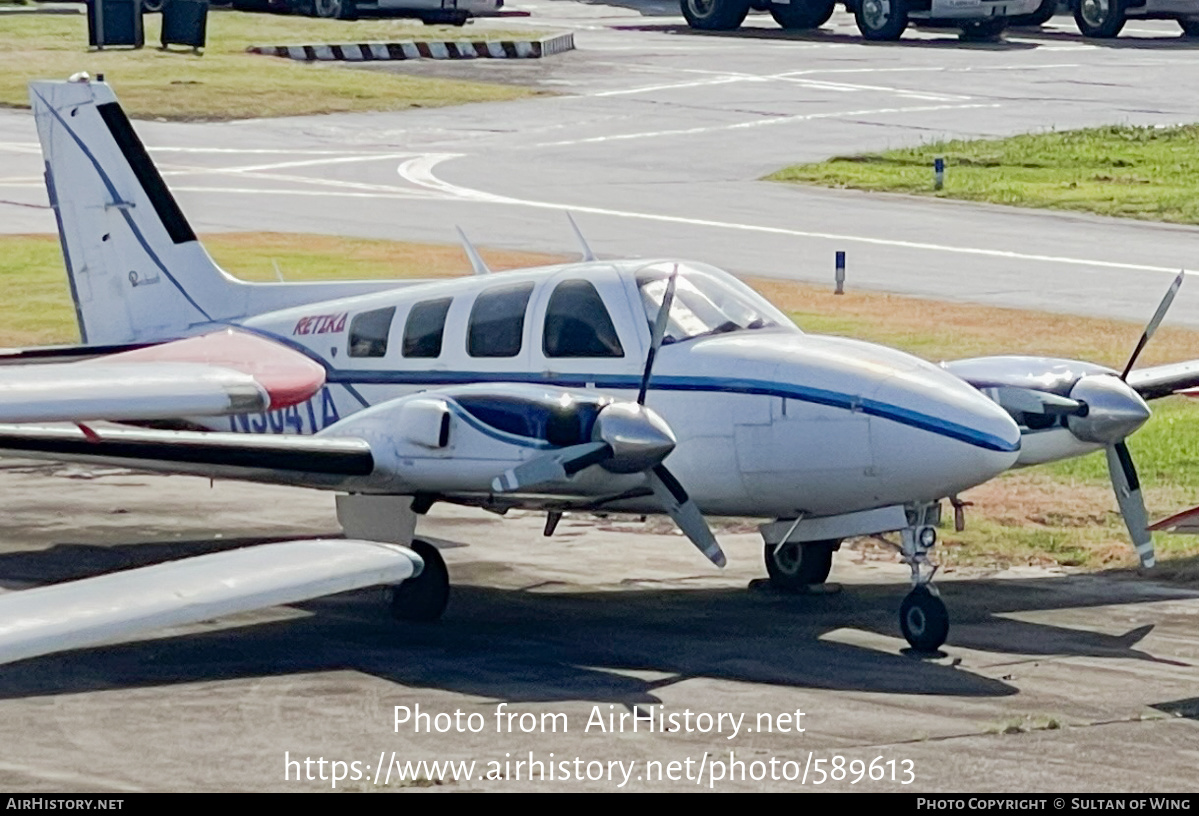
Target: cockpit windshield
{"x":707,"y":301}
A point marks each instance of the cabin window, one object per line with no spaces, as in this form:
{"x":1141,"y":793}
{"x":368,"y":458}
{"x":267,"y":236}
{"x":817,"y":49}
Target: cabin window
{"x":369,"y":331}
{"x":577,"y":324}
{"x":497,"y":321}
{"x":425,"y":328}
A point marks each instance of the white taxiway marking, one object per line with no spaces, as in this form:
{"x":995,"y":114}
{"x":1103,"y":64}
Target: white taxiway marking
{"x":754,"y":123}
{"x":419,"y":171}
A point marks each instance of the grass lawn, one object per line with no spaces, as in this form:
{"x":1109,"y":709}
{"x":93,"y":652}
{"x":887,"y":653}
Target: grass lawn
{"x":1063,"y":513}
{"x":227,"y":83}
{"x":1133,"y":172}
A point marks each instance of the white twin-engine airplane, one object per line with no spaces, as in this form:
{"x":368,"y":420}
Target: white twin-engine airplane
{"x":632,"y":386}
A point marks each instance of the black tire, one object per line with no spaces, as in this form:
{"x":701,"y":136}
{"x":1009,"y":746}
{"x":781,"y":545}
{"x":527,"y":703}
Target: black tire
{"x":881,"y":19}
{"x":714,"y":15}
{"x":924,"y":620}
{"x":1190,"y":28}
{"x":795,"y":566}
{"x":152,"y":6}
{"x":328,"y":9}
{"x":800,"y":14}
{"x":1040,"y":17}
{"x":984,"y":30}
{"x":1100,"y":19}
{"x":250,"y":5}
{"x":423,"y":599}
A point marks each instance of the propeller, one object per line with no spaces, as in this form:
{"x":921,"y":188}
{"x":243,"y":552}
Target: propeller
{"x":627,"y":437}
{"x":1101,"y":408}
{"x":1119,"y":461}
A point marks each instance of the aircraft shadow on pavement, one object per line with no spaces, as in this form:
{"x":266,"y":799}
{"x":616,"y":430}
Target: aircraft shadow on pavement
{"x":1166,"y":41}
{"x":646,"y":8}
{"x":548,"y":645}
{"x":950,"y":38}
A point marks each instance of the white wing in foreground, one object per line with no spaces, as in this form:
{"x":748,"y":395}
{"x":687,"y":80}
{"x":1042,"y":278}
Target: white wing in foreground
{"x":125,"y":605}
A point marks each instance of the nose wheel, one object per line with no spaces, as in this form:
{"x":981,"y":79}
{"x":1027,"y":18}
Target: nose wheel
{"x":923,"y":618}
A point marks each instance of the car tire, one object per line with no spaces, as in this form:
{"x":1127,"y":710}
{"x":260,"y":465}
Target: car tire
{"x":328,"y":9}
{"x":714,"y":15}
{"x":1101,"y":19}
{"x":801,"y":14}
{"x":1040,"y":17}
{"x":881,"y":20}
{"x":984,"y":30}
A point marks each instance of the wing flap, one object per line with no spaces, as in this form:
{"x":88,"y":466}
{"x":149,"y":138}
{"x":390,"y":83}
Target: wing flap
{"x":125,"y":605}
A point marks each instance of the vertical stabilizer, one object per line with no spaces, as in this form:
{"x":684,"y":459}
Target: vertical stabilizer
{"x":137,"y":271}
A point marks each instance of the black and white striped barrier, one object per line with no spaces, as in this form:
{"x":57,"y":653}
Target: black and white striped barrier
{"x":368,"y":52}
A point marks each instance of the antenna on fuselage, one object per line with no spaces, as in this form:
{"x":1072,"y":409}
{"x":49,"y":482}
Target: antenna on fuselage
{"x":588,"y":255}
{"x":476,"y":260}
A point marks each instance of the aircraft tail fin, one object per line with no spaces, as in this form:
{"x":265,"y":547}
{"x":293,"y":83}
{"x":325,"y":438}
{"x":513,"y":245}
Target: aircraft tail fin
{"x":136,"y":270}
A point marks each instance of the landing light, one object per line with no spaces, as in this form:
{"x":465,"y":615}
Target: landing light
{"x":928,"y":537}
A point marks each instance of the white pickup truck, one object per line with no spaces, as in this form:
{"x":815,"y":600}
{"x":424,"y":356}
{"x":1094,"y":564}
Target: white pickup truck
{"x":876,"y":19}
{"x":1105,"y":18}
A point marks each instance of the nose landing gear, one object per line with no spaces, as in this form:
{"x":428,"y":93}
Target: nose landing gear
{"x":923,"y":617}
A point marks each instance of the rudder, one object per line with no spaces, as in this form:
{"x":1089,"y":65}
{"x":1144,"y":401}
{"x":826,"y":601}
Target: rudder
{"x":136,"y":269}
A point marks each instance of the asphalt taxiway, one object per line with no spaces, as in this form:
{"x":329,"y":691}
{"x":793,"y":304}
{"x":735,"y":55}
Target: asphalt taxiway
{"x":656,"y":140}
{"x":1050,"y":680}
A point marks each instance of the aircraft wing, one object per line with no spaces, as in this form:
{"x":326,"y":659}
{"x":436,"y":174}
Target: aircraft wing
{"x":297,"y":460}
{"x":224,"y":372}
{"x":124,"y":605}
{"x":1164,"y":380}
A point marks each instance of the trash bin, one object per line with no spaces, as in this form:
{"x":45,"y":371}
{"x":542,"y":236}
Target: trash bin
{"x":115,"y":22}
{"x":185,"y":22}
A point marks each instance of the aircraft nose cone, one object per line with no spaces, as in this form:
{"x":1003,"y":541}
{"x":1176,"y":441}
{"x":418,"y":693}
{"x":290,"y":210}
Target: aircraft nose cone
{"x":1113,"y":409}
{"x":944,"y":436}
{"x":638,"y":436}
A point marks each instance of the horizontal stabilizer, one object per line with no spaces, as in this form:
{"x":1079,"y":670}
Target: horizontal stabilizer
{"x":226,"y":372}
{"x":125,"y":605}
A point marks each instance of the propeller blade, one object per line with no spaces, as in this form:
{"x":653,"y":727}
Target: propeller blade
{"x":1132,"y":503}
{"x":1162,"y":308}
{"x":659,"y":332}
{"x":685,"y":513}
{"x":1032,"y":401}
{"x":552,"y":467}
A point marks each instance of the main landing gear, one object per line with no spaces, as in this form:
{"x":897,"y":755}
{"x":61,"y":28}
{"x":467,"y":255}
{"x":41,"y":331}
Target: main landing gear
{"x":422,"y":599}
{"x":793,"y":566}
{"x":922,"y":615}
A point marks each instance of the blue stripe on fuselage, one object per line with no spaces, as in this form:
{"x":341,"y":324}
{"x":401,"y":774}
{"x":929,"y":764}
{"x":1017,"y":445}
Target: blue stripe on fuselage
{"x":818,"y":396}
